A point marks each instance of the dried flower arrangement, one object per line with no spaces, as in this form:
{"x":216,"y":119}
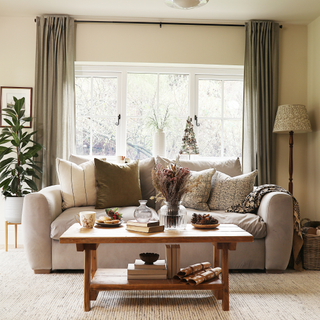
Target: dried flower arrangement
{"x":173,"y":182}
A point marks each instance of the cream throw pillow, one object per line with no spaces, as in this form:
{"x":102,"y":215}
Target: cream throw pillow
{"x":198,"y":198}
{"x":232,"y":167}
{"x":229,"y":191}
{"x":78,"y":183}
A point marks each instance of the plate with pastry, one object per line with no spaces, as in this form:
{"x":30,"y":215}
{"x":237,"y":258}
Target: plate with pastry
{"x":108,"y":222}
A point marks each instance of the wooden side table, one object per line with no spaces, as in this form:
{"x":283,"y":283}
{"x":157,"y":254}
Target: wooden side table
{"x":6,"y":224}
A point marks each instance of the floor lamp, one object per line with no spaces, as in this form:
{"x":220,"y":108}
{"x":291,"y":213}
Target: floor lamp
{"x":292,"y":118}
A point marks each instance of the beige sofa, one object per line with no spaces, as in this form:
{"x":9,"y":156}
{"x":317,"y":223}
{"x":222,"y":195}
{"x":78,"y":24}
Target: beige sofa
{"x":43,"y":222}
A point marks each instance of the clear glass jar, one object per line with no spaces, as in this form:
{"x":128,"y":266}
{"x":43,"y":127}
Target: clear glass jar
{"x":143,"y":213}
{"x":173,"y":216}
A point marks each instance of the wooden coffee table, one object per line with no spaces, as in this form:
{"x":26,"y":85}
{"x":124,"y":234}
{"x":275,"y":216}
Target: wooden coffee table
{"x":224,"y":238}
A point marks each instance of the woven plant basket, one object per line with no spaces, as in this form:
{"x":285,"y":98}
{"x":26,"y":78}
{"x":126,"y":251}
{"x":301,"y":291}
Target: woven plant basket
{"x":311,"y":247}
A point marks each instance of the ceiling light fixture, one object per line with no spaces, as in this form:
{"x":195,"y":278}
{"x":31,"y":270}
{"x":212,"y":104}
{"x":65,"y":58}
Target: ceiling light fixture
{"x":186,"y":4}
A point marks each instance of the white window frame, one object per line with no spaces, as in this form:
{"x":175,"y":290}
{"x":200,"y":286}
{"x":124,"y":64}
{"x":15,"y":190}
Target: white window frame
{"x":121,"y":70}
{"x":196,"y":109}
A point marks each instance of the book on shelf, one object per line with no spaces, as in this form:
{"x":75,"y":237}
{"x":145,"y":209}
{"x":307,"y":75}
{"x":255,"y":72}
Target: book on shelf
{"x":145,"y":229}
{"x":168,"y":260}
{"x":159,"y":264}
{"x":175,"y":259}
{"x":147,"y":276}
{"x":132,"y":270}
{"x":177,"y":253}
{"x":172,"y":256}
{"x":151,"y":223}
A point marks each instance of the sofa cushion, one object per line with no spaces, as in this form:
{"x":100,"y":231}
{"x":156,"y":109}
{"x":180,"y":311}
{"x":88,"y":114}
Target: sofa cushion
{"x":117,"y":184}
{"x":145,"y":169}
{"x":231,"y":167}
{"x":77,"y":183}
{"x":147,"y":188}
{"x":228,"y":191}
{"x":81,"y":159}
{"x":197,"y":199}
{"x":249,"y":222}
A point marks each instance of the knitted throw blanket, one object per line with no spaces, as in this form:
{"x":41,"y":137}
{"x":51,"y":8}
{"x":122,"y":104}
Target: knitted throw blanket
{"x":251,"y":205}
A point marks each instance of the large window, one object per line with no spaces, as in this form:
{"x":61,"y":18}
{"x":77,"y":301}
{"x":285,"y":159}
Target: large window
{"x":118,"y":108}
{"x":220,"y":115}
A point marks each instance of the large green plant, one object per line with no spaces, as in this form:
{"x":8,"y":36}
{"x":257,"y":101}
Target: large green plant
{"x":17,"y":153}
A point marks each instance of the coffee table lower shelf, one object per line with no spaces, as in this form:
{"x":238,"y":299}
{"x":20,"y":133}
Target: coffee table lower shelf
{"x":116,"y":279}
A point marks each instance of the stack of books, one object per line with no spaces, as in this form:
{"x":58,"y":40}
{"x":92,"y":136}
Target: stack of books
{"x":140,"y":270}
{"x":172,"y":255}
{"x":150,"y":226}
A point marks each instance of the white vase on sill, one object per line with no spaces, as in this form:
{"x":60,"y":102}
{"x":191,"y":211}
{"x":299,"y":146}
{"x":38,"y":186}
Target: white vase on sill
{"x":159,"y":143}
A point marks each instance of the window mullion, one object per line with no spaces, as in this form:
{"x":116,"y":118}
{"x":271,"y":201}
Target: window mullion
{"x":122,"y":102}
{"x":193,"y":99}
{"x":91,"y":117}
{"x":222,"y":119}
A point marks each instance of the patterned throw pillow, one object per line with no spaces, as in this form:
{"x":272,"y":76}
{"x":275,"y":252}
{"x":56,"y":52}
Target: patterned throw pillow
{"x":228,"y":191}
{"x":198,"y":198}
{"x":77,"y":182}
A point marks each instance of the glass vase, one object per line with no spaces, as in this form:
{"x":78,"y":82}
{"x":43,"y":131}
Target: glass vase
{"x":173,"y":215}
{"x":143,"y":213}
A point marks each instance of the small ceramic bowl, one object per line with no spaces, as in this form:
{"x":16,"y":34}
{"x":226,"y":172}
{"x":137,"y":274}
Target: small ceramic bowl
{"x":149,"y":258}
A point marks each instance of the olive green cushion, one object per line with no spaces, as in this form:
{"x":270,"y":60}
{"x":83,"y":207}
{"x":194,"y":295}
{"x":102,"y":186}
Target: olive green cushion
{"x":118,"y":185}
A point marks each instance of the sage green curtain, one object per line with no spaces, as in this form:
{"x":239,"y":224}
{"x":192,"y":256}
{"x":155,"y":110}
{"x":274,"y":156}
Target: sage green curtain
{"x":54,"y":92}
{"x":261,"y":70}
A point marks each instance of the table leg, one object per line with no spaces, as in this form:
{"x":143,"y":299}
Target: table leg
{"x":216,"y":258}
{"x":15,"y":236}
{"x":6,"y":234}
{"x":87,"y":277}
{"x":216,"y":263}
{"x":225,"y":276}
{"x":93,"y":263}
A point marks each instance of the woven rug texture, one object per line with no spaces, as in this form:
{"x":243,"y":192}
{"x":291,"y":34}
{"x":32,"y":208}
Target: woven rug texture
{"x":55,"y":296}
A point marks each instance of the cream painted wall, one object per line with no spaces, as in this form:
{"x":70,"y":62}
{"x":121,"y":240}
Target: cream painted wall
{"x":150,"y":43}
{"x":17,"y":69}
{"x":313,"y":173}
{"x":293,"y":90}
{"x":169,"y":44}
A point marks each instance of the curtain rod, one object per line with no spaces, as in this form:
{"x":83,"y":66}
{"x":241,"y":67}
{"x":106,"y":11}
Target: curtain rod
{"x":163,"y":23}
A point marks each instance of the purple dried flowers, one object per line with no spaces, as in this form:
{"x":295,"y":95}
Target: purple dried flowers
{"x":171,"y":183}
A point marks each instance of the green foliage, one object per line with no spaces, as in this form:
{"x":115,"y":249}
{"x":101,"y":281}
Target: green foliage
{"x":17,"y":153}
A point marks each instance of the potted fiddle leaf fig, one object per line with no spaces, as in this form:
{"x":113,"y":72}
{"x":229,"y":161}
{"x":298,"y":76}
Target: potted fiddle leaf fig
{"x":17,"y":165}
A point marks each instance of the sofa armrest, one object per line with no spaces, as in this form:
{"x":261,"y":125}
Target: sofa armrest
{"x":39,"y":210}
{"x":276,"y":209}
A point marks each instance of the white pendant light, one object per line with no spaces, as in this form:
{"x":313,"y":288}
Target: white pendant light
{"x":185,"y":4}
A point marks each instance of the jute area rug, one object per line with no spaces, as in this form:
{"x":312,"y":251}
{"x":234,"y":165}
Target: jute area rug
{"x":24,"y":295}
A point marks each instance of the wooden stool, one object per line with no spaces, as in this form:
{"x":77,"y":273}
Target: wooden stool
{"x":6,"y":224}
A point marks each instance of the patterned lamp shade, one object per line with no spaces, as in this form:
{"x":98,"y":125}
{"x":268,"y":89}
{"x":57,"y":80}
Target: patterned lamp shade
{"x":292,"y":117}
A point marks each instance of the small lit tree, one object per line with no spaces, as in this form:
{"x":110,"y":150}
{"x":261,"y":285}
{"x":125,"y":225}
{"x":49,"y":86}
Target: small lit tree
{"x":189,"y":142}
